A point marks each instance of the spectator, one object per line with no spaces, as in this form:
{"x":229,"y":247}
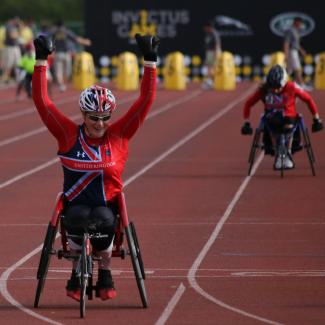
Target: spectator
{"x":26,"y":69}
{"x":63,"y":58}
{"x":11,"y":51}
{"x":212,"y":51}
{"x":292,"y":50}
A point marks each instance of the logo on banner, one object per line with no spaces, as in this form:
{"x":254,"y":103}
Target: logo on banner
{"x":164,"y":23}
{"x":228,"y":26}
{"x":281,"y":23}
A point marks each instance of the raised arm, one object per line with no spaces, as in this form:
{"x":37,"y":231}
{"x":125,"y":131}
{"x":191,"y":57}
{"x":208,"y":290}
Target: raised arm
{"x":63,"y":129}
{"x":132,"y":120}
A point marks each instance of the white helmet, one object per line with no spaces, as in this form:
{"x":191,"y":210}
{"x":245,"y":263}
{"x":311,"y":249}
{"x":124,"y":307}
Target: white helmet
{"x":97,"y":99}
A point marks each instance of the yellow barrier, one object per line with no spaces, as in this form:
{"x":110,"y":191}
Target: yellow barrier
{"x":225,"y":74}
{"x":174,"y":72}
{"x":127,"y":72}
{"x":320,"y":72}
{"x":83,"y":72}
{"x":277,"y":58}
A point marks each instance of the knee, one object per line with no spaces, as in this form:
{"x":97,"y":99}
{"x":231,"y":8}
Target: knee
{"x":287,"y":128}
{"x":103,"y":217}
{"x":75,"y":219}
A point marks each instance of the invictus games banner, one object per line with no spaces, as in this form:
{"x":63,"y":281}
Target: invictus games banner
{"x":249,"y":29}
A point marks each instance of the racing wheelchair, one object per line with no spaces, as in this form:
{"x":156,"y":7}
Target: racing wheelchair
{"x":280,"y":148}
{"x":85,"y":258}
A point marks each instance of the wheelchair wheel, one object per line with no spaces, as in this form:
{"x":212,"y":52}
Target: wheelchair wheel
{"x":137,"y":248}
{"x":136,"y":265}
{"x":254,"y":147}
{"x":309,"y":149}
{"x":83,"y":276}
{"x":282,"y":165}
{"x":47,"y":252}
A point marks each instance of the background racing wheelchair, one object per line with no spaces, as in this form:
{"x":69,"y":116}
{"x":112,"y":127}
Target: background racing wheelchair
{"x":280,"y":147}
{"x":85,"y":257}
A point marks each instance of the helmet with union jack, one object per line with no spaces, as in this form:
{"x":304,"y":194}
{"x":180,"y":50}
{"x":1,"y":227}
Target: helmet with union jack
{"x":97,"y":99}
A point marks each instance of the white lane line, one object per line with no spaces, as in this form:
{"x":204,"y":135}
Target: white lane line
{"x":4,"y":290}
{"x":162,"y":109}
{"x":55,"y":160}
{"x":30,"y":110}
{"x":28,"y":173}
{"x":5,"y":275}
{"x":171,"y":305}
{"x":190,"y":136}
{"x":195,"y":267}
{"x":43,"y":128}
{"x":24,"y":224}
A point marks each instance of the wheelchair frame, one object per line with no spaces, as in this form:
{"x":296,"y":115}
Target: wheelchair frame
{"x":85,"y":258}
{"x":281,"y":147}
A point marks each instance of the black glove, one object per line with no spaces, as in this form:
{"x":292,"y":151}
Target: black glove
{"x":44,"y":46}
{"x":246,"y":129}
{"x":317,"y":125}
{"x":148,"y":46}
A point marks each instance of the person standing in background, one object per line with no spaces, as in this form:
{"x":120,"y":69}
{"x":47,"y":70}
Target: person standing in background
{"x":63,"y":56}
{"x":292,"y":50}
{"x":212,"y":43}
{"x":11,"y":54}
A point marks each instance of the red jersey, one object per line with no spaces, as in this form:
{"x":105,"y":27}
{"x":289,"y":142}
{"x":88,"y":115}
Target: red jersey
{"x":92,"y":167}
{"x":285,"y":100}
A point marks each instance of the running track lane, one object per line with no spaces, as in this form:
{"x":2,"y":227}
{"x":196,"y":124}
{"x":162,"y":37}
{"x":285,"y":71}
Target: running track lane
{"x":190,"y":168}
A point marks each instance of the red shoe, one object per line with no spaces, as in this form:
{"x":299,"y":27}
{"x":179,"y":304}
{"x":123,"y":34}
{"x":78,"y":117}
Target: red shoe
{"x":105,"y":285}
{"x":105,"y":294}
{"x":73,"y":287}
{"x":74,"y":294}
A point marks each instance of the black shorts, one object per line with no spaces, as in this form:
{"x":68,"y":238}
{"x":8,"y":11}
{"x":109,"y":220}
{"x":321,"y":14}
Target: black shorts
{"x":276,"y":121}
{"x":101,"y":219}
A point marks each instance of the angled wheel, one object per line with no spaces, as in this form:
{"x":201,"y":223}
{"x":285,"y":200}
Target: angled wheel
{"x":134,"y":249}
{"x":254,"y":147}
{"x":83,"y":277}
{"x":47,"y":252}
{"x":309,"y":149}
{"x":282,"y":152}
{"x":137,"y":248}
{"x":282,"y":165}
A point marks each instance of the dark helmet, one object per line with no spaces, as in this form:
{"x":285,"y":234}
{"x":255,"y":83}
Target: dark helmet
{"x":277,"y":77}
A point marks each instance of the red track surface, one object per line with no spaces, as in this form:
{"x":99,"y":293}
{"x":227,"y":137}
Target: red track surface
{"x":219,"y":247}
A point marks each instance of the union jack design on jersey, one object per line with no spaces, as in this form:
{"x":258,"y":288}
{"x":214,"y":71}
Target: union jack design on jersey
{"x":85,"y":166}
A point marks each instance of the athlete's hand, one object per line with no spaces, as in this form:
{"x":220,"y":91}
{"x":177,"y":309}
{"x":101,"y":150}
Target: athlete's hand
{"x":246,"y":129}
{"x":148,"y":45}
{"x":317,"y":125}
{"x":44,"y":46}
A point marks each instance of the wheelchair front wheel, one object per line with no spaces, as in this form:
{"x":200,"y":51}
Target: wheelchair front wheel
{"x":47,"y":252}
{"x":310,"y":152}
{"x":137,"y":248}
{"x":83,"y":276}
{"x":252,"y":152}
{"x":137,"y":264}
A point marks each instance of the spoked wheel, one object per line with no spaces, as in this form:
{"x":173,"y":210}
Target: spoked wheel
{"x":310,"y":152}
{"x":83,"y":277}
{"x":137,"y":248}
{"x":252,"y":152}
{"x":47,"y":252}
{"x":282,"y":165}
{"x":136,"y":258}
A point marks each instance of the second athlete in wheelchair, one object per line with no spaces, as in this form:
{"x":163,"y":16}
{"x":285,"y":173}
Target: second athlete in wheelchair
{"x":93,"y":156}
{"x":280,"y":116}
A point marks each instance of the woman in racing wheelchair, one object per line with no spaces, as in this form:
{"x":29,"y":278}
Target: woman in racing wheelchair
{"x":93,"y":156}
{"x":279,"y":97}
